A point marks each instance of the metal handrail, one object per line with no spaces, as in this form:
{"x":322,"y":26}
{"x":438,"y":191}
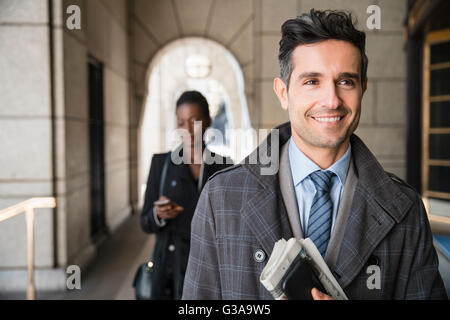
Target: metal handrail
{"x":28,"y":207}
{"x":434,"y":217}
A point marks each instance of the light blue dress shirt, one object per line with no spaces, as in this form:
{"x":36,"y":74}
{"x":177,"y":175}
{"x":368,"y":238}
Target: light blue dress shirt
{"x":305,"y":190}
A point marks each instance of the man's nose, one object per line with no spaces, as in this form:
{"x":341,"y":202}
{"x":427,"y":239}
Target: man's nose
{"x":330,"y":97}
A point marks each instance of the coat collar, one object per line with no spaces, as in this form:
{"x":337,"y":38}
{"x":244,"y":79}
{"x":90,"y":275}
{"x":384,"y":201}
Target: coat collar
{"x":208,"y":169}
{"x":265,"y":212}
{"x":374,"y":181}
{"x":378,"y":204}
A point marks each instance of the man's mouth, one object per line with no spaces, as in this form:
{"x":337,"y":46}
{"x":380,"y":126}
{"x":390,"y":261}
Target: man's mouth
{"x":328,"y":119}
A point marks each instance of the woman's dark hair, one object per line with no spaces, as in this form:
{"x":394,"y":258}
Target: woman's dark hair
{"x":197,"y":98}
{"x":317,"y":26}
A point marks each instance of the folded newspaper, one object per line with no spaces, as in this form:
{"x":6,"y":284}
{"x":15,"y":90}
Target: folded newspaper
{"x":283,"y":254}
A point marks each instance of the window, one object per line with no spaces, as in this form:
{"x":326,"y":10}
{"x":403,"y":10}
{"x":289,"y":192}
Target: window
{"x":436,"y":117}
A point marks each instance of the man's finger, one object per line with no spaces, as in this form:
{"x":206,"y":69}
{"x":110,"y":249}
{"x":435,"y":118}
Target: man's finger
{"x":318,"y":295}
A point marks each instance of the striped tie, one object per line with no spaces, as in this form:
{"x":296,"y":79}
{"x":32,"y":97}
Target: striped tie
{"x":319,"y":224}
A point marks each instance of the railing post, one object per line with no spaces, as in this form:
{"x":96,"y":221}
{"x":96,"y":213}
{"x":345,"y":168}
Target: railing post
{"x":28,"y":207}
{"x":30,"y":252}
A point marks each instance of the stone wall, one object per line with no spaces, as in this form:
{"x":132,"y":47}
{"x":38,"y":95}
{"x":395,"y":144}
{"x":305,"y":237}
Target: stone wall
{"x":26,"y":136}
{"x":25,"y":127}
{"x":250,"y":30}
{"x":104,"y":37}
{"x":44,"y":124}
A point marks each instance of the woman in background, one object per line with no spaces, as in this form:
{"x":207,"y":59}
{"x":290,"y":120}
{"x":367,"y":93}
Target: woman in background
{"x":170,"y":217}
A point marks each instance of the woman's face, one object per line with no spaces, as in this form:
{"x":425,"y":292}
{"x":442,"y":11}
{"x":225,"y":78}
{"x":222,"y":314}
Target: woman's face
{"x":187,"y":114}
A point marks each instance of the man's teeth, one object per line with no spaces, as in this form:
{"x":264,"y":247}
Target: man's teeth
{"x":328,"y":119}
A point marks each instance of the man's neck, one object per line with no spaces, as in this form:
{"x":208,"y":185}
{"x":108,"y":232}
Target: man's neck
{"x":323,"y":157}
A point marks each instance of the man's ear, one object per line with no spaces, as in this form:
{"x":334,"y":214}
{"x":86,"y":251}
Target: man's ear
{"x":364,"y":86}
{"x":281,"y":90}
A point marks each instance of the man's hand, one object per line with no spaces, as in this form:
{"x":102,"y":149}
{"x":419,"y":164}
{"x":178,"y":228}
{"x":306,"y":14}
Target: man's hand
{"x":318,"y":295}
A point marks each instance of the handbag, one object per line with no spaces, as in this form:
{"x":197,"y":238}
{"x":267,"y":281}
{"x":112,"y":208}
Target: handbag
{"x":142,"y":282}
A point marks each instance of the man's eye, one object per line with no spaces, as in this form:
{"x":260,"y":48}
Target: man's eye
{"x":347,"y":82}
{"x":311,"y":82}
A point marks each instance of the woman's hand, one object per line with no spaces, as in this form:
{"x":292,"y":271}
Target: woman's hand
{"x":168,"y":211}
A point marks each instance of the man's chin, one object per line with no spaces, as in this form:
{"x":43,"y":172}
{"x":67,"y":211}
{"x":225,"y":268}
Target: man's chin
{"x":328,"y":142}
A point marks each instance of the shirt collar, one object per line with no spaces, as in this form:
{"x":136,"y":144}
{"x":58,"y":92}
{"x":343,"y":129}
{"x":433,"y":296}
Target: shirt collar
{"x":340,"y":167}
{"x":302,"y":166}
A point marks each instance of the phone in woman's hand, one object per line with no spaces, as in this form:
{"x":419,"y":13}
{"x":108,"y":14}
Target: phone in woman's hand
{"x":161,"y":202}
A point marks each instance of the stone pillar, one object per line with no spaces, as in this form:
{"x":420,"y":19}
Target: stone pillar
{"x":26,"y":140}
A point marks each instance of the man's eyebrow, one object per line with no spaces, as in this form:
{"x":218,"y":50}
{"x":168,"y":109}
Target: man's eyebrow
{"x":351,"y":75}
{"x":310,"y":75}
{"x":318,"y":74}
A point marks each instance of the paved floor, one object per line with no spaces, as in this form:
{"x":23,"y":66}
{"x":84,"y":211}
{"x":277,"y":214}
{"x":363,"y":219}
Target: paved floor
{"x":110,"y":275}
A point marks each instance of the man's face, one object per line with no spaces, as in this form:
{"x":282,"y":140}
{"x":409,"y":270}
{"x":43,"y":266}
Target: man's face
{"x":325,"y":92}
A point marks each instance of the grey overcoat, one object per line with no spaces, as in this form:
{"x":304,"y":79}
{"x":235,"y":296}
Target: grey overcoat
{"x":241,"y":213}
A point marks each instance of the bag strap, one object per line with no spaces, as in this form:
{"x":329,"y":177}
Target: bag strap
{"x":162,"y":182}
{"x":164,"y":174}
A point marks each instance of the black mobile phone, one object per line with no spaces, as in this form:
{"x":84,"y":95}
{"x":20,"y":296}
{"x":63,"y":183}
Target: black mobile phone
{"x":299,"y":280}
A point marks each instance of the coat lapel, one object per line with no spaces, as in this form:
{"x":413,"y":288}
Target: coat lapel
{"x":265,"y":213}
{"x":288,"y":192}
{"x":266,"y":217}
{"x":342,"y":216}
{"x":181,"y":170}
{"x":378,"y":204}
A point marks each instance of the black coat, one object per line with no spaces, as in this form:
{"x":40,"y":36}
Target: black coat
{"x":171,"y":250}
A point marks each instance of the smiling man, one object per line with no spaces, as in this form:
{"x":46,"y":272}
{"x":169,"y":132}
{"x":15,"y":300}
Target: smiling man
{"x":329,"y":187}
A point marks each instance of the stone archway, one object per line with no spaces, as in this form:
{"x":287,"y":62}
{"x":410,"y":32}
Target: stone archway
{"x":167,"y":77}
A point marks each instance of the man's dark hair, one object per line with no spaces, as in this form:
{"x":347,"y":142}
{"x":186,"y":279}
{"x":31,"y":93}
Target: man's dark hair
{"x":317,"y":26}
{"x":197,"y":98}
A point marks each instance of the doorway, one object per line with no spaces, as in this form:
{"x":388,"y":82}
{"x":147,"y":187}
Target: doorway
{"x":96,"y":151}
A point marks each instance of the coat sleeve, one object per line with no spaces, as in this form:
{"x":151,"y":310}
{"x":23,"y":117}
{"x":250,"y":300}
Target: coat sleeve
{"x":148,"y":223}
{"x":425,"y":282}
{"x":202,"y":279}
